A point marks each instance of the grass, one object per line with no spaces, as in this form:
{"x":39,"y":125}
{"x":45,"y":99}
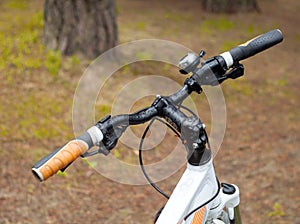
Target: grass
{"x":239,"y":87}
{"x":90,"y":164}
{"x":22,"y":50}
{"x":102,"y":110}
{"x":53,"y":62}
{"x":277,"y":211}
{"x":61,"y":174}
{"x":281,"y":82}
{"x":141,"y":56}
{"x":29,"y":70}
{"x":175,"y":17}
{"x":16,"y":4}
{"x":141,"y":25}
{"x":216,"y":25}
{"x":227,"y":45}
{"x":36,"y":116}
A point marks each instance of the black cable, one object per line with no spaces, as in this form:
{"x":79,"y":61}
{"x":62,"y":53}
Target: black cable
{"x":199,"y":207}
{"x":142,"y":164}
{"x":141,"y":157}
{"x":178,"y":134}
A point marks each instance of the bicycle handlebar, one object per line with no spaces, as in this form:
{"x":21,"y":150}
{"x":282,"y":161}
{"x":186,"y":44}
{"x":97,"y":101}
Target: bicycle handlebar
{"x":252,"y":47}
{"x":108,"y":130}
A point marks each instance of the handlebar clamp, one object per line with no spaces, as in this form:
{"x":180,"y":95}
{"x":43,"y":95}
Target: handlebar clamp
{"x":111,"y":133}
{"x":195,"y":140}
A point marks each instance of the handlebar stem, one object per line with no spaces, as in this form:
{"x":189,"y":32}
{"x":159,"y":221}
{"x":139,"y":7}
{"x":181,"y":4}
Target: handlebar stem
{"x":195,"y":141}
{"x":191,"y":128}
{"x":167,"y":110}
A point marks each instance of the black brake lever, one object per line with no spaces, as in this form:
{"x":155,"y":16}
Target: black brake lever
{"x":236,"y":71}
{"x":100,"y":150}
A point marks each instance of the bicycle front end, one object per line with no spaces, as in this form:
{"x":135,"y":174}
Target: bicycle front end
{"x":198,"y":197}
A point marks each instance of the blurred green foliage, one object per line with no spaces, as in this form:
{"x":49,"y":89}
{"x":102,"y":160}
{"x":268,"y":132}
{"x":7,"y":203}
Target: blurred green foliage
{"x":141,"y":25}
{"x":277,"y":211}
{"x":28,"y":109}
{"x":176,"y":17}
{"x":53,"y":62}
{"x":91,"y":164}
{"x":216,"y":24}
{"x":16,"y":4}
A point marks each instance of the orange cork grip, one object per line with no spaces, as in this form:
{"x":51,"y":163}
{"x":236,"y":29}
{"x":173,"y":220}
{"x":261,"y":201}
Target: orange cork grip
{"x":59,"y":159}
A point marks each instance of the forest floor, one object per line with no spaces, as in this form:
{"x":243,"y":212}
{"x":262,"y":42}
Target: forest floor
{"x":259,"y":153}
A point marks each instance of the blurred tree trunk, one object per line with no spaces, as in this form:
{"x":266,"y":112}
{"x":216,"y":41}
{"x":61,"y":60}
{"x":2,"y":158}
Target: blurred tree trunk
{"x":80,"y":26}
{"x":230,"y":6}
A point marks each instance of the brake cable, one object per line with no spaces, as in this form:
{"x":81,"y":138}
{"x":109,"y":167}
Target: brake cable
{"x":178,"y":135}
{"x":141,"y":157}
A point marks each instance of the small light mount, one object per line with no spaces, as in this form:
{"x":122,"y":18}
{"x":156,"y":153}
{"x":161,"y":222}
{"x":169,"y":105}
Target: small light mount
{"x":190,"y":62}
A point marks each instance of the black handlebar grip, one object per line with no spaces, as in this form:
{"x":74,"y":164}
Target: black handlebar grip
{"x":256,"y":45}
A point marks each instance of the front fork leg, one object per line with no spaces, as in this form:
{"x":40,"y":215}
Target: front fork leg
{"x":229,"y":200}
{"x":237,"y":216}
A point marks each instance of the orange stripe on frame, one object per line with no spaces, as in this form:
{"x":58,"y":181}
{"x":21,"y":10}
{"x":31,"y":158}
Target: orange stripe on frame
{"x":199,"y":216}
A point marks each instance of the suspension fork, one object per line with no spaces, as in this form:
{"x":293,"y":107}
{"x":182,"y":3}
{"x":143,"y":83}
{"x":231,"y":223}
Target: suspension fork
{"x":228,"y":199}
{"x":237,"y":215}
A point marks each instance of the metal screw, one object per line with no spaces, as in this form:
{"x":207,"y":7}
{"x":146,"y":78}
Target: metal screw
{"x":195,"y":145}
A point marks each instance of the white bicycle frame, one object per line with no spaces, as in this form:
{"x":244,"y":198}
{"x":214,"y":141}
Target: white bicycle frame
{"x":198,"y":185}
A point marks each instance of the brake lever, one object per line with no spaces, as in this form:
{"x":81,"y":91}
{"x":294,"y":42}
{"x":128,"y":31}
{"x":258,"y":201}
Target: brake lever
{"x":236,"y":71}
{"x":100,"y":150}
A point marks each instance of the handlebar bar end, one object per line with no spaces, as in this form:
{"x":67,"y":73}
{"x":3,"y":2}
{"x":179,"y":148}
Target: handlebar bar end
{"x":37,"y":174}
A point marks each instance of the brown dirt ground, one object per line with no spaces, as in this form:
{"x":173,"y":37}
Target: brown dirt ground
{"x":259,"y":152}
